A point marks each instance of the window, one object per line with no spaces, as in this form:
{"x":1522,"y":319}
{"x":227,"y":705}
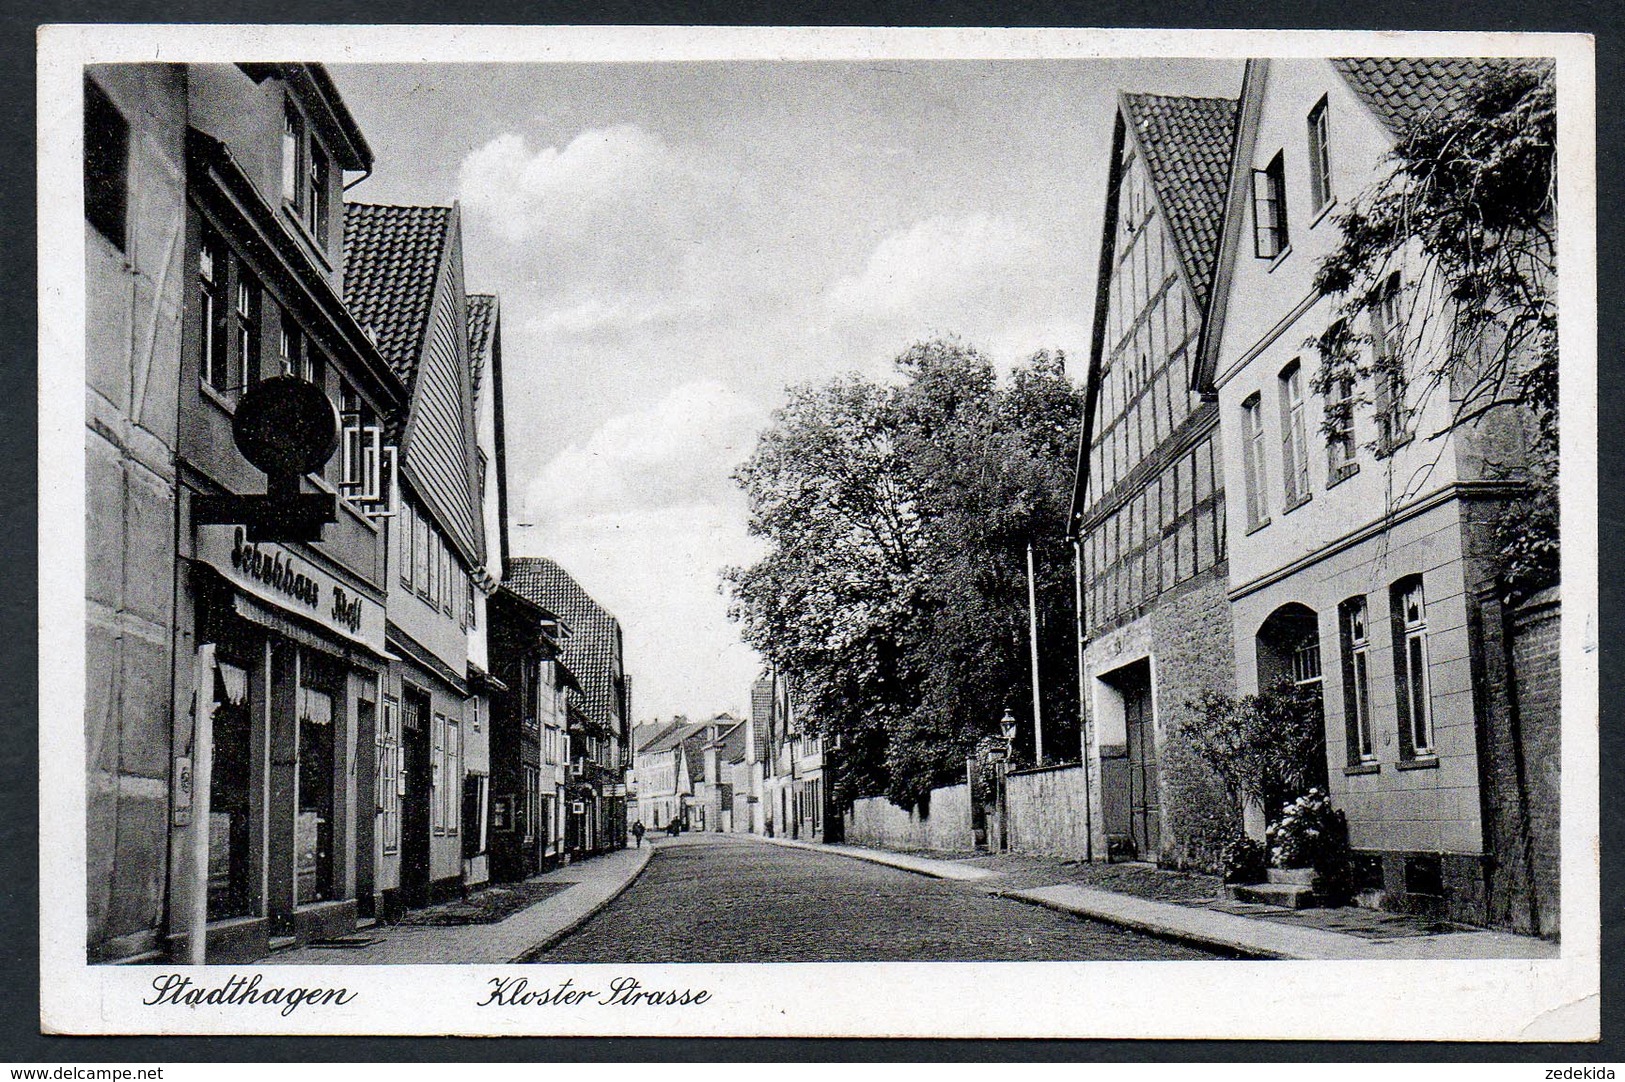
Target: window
{"x":211,"y":273}
{"x":107,"y":165}
{"x":1387,"y":340}
{"x":389,"y":774}
{"x":291,"y":348}
{"x":404,"y":552}
{"x":1356,"y":636}
{"x":1411,"y":680}
{"x":1320,"y":167}
{"x":246,"y":325}
{"x":420,"y":550}
{"x":473,"y":611}
{"x":451,"y":792}
{"x":316,"y":199}
{"x":293,"y":149}
{"x":1294,"y":445}
{"x":1269,"y":209}
{"x":1252,"y":449}
{"x":438,"y":780}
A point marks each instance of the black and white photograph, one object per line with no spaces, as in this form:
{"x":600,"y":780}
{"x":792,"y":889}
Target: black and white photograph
{"x":1042,"y":530}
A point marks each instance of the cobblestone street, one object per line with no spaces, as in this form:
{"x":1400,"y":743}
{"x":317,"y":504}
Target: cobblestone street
{"x":713,"y":898}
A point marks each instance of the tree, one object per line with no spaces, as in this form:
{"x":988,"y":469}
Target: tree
{"x":1469,"y":202}
{"x":893,"y":591}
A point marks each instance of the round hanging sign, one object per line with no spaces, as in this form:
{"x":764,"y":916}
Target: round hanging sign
{"x":286,"y":425}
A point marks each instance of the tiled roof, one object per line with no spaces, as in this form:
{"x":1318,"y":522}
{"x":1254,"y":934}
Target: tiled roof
{"x":391,"y":261}
{"x":669,"y":736}
{"x":1187,"y":145}
{"x":732,"y":743}
{"x":593,"y":647}
{"x":1401,"y":89}
{"x":482,"y":311}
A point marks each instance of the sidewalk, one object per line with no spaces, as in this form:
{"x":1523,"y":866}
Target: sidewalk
{"x":590,"y":885}
{"x":1197,"y":916}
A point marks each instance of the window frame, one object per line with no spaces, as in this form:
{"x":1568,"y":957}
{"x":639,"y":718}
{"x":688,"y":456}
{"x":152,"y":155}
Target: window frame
{"x":1271,"y":238}
{"x":1321,"y":193}
{"x":1354,"y":625}
{"x":1294,"y":435}
{"x":1413,"y":680}
{"x":1390,"y":382}
{"x":294,"y":131}
{"x":388,"y":749}
{"x":1254,"y":467}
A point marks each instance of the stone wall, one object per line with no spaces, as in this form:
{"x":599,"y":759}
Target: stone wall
{"x":1049,"y":812}
{"x":945,"y":826}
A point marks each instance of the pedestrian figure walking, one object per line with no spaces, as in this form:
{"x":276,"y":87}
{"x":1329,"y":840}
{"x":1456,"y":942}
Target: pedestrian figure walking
{"x":637,"y":832}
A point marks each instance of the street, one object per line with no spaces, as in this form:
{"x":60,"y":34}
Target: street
{"x":720,"y":898}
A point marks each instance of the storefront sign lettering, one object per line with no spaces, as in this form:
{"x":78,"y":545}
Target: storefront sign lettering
{"x":272,"y":571}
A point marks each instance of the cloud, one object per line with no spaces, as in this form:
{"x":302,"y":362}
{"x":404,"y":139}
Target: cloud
{"x":680,"y":449}
{"x":968,"y":268}
{"x":658,"y":572}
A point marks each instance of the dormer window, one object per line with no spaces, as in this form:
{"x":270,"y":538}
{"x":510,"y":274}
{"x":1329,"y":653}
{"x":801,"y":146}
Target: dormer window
{"x":316,"y":201}
{"x":307,"y":175}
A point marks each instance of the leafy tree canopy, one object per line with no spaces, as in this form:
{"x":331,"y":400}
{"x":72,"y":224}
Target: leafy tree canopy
{"x":1468,"y":206}
{"x":893,"y":591}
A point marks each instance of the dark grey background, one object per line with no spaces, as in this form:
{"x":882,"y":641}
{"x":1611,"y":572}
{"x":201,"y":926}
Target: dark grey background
{"x":20,"y":1040}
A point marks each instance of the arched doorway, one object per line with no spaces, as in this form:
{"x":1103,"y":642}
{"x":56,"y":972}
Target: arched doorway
{"x":1288,"y":652}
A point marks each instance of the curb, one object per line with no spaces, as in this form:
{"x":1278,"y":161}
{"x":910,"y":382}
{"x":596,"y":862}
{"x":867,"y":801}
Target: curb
{"x":1151,"y":928}
{"x":552,"y":940}
{"x":857,"y":856}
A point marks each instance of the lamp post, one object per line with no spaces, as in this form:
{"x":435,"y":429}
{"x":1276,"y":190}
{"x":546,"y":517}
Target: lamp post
{"x":1007,"y":725}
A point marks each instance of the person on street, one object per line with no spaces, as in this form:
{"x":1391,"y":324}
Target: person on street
{"x":637,"y":832}
{"x":673,"y":827}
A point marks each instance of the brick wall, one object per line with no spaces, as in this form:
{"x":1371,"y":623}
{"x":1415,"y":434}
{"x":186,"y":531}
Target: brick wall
{"x":1536,"y":628}
{"x":946,"y":827}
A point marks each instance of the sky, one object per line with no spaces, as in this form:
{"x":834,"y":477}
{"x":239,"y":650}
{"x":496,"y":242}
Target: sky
{"x":675,"y":244}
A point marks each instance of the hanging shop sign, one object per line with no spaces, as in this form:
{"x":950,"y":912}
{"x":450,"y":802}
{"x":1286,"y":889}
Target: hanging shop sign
{"x":271,"y":573}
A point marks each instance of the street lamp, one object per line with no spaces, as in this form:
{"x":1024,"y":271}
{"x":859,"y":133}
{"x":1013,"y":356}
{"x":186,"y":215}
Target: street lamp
{"x":1007,"y":725}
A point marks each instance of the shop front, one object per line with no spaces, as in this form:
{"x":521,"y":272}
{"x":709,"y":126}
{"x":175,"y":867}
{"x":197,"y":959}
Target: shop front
{"x":289,"y":662}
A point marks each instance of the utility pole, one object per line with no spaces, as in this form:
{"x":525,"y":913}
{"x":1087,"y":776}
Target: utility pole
{"x":1032,"y":638}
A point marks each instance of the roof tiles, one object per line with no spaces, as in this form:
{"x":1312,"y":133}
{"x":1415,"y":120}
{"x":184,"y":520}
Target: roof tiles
{"x":1187,"y":145}
{"x":1402,"y":89}
{"x":482,"y":311}
{"x":391,"y":263}
{"x":593,"y":649}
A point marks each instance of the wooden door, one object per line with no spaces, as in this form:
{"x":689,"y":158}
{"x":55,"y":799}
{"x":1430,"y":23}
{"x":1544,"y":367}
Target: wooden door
{"x":1145,"y":812}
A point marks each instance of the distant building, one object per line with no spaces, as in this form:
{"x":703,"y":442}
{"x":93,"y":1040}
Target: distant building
{"x":663,"y":778}
{"x":598,"y":716}
{"x":796,"y":780}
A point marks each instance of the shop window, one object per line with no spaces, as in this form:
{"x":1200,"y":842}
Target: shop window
{"x":313,"y":826}
{"x":107,"y":165}
{"x":1356,"y":636}
{"x":1320,"y":165}
{"x":1269,"y":209}
{"x":1412,"y":681}
{"x":231,"y":891}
